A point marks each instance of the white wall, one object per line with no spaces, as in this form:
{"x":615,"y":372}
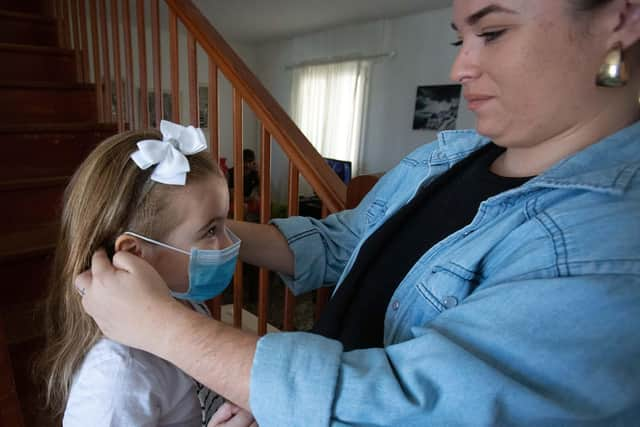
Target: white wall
{"x":423,"y":57}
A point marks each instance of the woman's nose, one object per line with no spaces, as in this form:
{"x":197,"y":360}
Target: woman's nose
{"x":465,"y":66}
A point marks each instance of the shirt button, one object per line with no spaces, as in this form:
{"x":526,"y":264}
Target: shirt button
{"x":395,"y":306}
{"x":450,"y":301}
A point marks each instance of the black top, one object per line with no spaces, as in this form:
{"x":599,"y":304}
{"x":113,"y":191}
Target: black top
{"x":355,"y":315}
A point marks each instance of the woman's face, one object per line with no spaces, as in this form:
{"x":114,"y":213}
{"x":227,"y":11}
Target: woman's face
{"x":528,"y":67}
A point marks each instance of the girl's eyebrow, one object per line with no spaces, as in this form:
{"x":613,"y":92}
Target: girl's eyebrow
{"x":487,"y":10}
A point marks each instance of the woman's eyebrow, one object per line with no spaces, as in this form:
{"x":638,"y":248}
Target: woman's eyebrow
{"x":487,"y":10}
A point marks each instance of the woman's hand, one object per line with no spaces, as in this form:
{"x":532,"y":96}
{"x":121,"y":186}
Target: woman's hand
{"x":128,"y":299}
{"x":230,"y":415}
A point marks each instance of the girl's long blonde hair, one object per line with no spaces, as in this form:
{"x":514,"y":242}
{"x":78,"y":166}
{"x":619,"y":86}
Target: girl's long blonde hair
{"x":106,"y":196}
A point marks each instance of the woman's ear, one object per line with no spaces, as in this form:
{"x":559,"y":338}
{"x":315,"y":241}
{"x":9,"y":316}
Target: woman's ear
{"x":130,"y":244}
{"x":627,"y":30}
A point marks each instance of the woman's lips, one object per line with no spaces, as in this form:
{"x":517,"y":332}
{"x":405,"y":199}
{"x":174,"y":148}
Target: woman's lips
{"x":474,"y":102}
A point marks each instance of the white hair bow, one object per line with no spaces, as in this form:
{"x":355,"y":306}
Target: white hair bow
{"x":170,"y":153}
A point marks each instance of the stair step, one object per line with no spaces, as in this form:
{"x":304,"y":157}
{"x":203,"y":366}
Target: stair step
{"x":32,"y":202}
{"x":27,"y":29}
{"x":47,"y":102}
{"x":34,"y":7}
{"x":34,"y":241}
{"x":37,"y":64}
{"x":38,"y":151}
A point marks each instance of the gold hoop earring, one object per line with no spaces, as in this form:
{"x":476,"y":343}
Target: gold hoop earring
{"x":613,"y":72}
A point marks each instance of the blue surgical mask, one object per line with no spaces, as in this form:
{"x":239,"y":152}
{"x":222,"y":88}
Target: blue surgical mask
{"x":210,"y":270}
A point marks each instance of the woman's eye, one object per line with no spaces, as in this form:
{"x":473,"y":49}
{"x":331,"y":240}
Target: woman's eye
{"x":457,"y":43}
{"x":490,"y":36}
{"x":211,"y":232}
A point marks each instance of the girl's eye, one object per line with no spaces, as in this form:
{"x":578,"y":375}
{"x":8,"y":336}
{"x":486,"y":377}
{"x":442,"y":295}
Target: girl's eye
{"x":490,"y":36}
{"x":211,"y":232}
{"x":457,"y":43}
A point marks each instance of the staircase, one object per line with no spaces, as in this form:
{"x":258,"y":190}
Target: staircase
{"x":48,"y":124}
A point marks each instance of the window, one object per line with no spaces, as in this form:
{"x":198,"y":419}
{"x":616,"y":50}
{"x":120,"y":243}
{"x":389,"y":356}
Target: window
{"x":329,"y":106}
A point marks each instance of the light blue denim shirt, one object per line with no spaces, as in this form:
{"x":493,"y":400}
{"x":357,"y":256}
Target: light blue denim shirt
{"x":550,"y":335}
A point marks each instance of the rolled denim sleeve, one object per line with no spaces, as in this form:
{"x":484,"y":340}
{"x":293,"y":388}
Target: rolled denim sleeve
{"x":321,"y":248}
{"x":535,"y":352}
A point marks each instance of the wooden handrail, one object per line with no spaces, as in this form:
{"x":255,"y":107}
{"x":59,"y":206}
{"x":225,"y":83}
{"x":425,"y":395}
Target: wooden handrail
{"x":331,"y":190}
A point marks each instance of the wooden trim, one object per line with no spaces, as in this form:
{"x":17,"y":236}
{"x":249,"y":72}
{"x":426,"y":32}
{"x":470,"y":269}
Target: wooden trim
{"x":142,"y":61}
{"x":295,"y":145}
{"x":174,"y":58}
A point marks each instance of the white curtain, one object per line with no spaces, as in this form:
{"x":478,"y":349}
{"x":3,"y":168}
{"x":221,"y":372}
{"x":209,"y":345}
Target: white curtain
{"x":329,"y":104}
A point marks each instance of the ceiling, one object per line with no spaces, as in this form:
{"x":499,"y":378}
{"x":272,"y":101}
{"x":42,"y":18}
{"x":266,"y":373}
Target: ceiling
{"x":256,"y":21}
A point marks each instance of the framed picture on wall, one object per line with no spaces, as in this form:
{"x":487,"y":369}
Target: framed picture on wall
{"x":151,"y":105}
{"x":436,"y":107}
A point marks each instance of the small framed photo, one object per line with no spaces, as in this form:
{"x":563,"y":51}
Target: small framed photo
{"x":436,"y":107}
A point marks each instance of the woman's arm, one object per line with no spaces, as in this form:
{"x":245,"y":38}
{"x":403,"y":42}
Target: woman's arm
{"x":263,"y":246}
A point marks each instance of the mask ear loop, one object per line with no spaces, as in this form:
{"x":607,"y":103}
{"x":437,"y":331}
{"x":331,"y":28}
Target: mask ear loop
{"x":155,"y":242}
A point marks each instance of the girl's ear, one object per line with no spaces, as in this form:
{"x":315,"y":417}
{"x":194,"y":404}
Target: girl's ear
{"x":128,"y":243}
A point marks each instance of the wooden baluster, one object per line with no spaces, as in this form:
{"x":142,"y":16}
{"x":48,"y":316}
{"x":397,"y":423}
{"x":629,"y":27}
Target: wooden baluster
{"x":142,"y":62}
{"x":175,"y":67}
{"x":322,"y":294}
{"x":59,"y":22}
{"x":238,"y":200}
{"x":157,"y":73}
{"x":76,"y":40}
{"x":213,"y":119}
{"x":194,"y":112}
{"x":106,"y":65}
{"x":214,"y":147}
{"x":97,"y":75}
{"x":84,"y":41}
{"x":67,"y":24}
{"x":289,"y":298}
{"x":117,"y":69}
{"x":128,"y":61}
{"x":265,"y":216}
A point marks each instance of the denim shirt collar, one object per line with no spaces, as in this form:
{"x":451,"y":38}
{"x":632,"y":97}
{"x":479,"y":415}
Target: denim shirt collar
{"x":617,"y":159}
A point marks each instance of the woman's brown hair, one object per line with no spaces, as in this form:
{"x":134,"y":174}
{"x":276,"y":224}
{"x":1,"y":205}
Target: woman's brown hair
{"x":106,"y":196}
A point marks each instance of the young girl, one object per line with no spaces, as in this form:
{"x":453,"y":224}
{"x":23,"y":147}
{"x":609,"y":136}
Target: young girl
{"x":159,"y":196}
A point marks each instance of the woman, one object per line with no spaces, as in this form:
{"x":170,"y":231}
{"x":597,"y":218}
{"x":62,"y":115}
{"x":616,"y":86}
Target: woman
{"x":523,"y":314}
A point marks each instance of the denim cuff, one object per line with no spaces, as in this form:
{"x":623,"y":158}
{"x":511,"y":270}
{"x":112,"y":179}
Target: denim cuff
{"x":307,"y":246}
{"x":293,"y":379}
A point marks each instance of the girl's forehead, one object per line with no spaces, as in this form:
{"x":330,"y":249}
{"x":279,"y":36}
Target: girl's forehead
{"x":201,"y":200}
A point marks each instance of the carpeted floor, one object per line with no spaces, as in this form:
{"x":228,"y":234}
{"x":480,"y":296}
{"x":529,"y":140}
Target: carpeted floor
{"x":304,"y":310}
